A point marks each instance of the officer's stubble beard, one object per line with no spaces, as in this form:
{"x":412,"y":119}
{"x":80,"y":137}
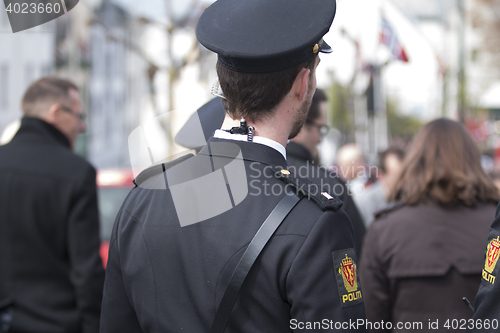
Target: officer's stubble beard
{"x":301,"y":115}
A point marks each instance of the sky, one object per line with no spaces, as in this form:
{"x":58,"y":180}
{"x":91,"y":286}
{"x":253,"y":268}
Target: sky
{"x":156,"y":8}
{"x":414,"y":84}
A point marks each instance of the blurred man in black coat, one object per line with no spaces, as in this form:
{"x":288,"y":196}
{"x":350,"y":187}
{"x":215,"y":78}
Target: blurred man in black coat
{"x":182,"y":237}
{"x":302,"y":156}
{"x":51,"y":275}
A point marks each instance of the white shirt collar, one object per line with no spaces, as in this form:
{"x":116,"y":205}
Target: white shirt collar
{"x":220,"y":134}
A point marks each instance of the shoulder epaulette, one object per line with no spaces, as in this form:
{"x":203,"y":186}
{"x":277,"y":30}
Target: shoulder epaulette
{"x":389,"y":208}
{"x":309,"y":189}
{"x":157,"y":169}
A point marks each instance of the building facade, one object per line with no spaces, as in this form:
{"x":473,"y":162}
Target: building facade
{"x":24,"y":57}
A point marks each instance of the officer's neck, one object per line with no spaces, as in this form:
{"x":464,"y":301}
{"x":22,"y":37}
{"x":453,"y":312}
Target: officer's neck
{"x":278,"y":126}
{"x":267,"y":130}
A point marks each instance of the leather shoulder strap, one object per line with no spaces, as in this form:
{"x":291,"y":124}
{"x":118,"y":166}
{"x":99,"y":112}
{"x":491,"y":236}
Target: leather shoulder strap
{"x":246,"y":262}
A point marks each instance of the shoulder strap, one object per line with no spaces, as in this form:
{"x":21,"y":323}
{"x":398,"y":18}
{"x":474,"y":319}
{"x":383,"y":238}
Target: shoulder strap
{"x":259,"y":241}
{"x":309,"y":189}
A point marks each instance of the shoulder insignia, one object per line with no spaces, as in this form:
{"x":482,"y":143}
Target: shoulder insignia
{"x":309,"y":189}
{"x":490,"y":270}
{"x":346,"y":272}
{"x":157,"y":169}
{"x":389,"y":208}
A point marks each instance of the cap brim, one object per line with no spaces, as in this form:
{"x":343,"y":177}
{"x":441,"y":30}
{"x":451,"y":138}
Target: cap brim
{"x":325,"y":48}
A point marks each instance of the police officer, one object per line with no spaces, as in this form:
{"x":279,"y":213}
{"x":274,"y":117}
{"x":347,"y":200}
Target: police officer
{"x":230,"y":240}
{"x":487,"y":307}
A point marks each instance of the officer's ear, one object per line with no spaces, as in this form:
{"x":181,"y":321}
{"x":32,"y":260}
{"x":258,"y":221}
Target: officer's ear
{"x":301,"y":85}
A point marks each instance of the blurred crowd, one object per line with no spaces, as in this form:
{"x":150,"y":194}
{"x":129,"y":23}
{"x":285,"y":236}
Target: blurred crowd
{"x":420,"y":216}
{"x":408,"y":245}
{"x":427,"y":210}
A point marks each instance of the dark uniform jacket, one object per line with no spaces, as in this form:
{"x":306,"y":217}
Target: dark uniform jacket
{"x":487,"y":305}
{"x":178,"y":238}
{"x":50,"y":270}
{"x":300,"y":159}
{"x":419,"y":261}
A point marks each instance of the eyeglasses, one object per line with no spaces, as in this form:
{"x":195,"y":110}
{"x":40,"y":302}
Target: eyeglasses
{"x":323,"y":129}
{"x":80,"y":116}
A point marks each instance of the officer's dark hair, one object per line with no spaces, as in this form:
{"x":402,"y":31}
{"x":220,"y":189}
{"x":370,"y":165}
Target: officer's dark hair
{"x":382,"y":156}
{"x":254,"y":96}
{"x":41,"y":94}
{"x":443,"y":165}
{"x":313,"y":114}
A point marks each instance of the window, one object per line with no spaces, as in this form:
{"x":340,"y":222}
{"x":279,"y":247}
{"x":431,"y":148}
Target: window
{"x":4,"y":20}
{"x":29,"y":74}
{"x":47,"y":70}
{"x":4,"y":87}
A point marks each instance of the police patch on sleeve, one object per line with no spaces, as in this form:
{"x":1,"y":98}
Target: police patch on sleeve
{"x":346,"y":272}
{"x":490,"y":270}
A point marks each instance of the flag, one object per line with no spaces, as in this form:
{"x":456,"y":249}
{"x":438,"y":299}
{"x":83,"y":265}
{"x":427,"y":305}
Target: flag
{"x":389,"y":38}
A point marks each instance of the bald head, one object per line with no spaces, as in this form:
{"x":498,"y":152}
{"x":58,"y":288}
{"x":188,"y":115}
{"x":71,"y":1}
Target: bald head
{"x":350,"y":159}
{"x":349,"y":153}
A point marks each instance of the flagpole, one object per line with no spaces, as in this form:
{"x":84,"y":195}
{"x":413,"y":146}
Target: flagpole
{"x":390,"y":39}
{"x":379,"y":120}
{"x":361,"y":118}
{"x":380,"y":115}
{"x":376,"y":114}
{"x":461,"y":71}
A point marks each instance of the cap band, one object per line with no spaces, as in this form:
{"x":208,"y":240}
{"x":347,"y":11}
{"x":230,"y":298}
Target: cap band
{"x":276,"y":64}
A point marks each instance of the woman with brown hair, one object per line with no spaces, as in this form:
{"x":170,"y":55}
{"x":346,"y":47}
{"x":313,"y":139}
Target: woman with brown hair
{"x":426,"y":252}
